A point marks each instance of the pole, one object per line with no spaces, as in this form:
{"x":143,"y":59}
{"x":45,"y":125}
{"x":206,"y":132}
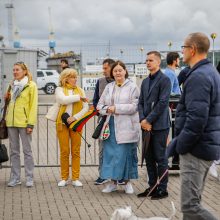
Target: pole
{"x":213,"y":36}
{"x":213,"y":52}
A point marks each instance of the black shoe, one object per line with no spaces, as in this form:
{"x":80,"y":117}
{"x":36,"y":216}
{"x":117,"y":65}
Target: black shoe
{"x":101,"y":181}
{"x":174,"y":167}
{"x":146,"y":192}
{"x":160,"y":194}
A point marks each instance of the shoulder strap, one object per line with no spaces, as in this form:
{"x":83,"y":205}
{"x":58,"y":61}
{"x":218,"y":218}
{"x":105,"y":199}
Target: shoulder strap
{"x":6,"y":102}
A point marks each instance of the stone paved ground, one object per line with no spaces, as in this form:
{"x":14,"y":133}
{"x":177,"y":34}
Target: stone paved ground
{"x":46,"y":201}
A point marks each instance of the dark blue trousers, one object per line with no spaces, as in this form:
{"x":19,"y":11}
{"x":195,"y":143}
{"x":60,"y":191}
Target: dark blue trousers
{"x":156,"y":160}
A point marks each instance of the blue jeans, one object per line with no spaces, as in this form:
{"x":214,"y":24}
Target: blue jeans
{"x":156,"y":160}
{"x":193,"y":175}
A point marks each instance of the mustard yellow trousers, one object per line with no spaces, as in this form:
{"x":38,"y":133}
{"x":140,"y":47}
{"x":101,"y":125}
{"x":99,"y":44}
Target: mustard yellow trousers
{"x":67,"y":137}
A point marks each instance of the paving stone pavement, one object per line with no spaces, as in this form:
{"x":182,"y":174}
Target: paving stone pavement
{"x":46,"y":201}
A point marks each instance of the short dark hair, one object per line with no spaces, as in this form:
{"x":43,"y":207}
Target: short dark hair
{"x":64,"y":61}
{"x":120,"y":63}
{"x":156,"y":53}
{"x":109,"y":61}
{"x":200,"y":41}
{"x":171,"y":57}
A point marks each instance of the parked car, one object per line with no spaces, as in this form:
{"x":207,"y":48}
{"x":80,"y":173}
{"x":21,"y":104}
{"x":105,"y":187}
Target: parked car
{"x":47,"y":80}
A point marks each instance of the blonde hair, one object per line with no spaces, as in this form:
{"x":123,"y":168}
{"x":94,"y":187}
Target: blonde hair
{"x":66,"y":74}
{"x":25,"y":68}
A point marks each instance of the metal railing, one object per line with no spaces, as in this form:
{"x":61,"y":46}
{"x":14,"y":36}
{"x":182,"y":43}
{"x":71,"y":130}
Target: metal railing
{"x":45,"y":145}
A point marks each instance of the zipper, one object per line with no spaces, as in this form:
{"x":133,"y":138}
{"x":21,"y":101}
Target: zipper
{"x":25,"y":113}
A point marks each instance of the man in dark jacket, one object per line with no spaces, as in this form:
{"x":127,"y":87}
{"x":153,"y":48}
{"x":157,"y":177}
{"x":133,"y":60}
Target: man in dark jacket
{"x":197,"y":125}
{"x":100,"y":86}
{"x":153,"y":110}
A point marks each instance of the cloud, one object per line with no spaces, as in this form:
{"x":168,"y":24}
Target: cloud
{"x":152,"y":22}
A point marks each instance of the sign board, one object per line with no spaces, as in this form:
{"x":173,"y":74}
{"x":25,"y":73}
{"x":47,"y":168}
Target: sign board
{"x":93,"y":68}
{"x":140,"y":69}
{"x":88,"y":84}
{"x":130,"y":68}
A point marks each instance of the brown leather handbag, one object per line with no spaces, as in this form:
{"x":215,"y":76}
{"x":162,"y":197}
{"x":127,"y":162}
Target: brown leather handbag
{"x":3,"y":127}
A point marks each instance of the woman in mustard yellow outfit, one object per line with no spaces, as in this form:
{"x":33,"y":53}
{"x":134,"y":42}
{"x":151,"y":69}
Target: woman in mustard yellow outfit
{"x":72,"y":100}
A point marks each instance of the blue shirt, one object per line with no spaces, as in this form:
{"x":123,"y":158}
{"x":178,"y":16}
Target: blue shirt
{"x":175,"y":88}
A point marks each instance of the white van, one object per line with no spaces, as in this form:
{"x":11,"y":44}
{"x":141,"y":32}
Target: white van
{"x":47,"y":80}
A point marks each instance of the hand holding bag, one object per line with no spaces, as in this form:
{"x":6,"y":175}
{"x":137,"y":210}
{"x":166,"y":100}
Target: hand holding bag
{"x":3,"y":127}
{"x":53,"y":112}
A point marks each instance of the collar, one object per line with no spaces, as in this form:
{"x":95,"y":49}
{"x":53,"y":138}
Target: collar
{"x":152,"y":77}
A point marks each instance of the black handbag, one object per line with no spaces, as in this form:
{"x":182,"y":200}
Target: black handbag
{"x":99,"y":127}
{"x":3,"y":153}
{"x":3,"y":127}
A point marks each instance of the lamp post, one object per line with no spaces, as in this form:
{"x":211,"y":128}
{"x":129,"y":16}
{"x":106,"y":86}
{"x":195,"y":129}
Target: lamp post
{"x":121,"y":52}
{"x":213,"y":36}
{"x":142,"y":50}
{"x":169,"y":45}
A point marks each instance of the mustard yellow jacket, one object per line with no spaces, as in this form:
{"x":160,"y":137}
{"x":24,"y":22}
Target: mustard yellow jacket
{"x":23,"y":111}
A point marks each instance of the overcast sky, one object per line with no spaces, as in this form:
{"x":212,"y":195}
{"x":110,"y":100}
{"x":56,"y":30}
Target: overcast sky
{"x":141,"y":22}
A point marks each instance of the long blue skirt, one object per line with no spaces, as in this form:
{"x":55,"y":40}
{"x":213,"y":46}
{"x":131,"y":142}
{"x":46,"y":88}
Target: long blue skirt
{"x":119,"y":160}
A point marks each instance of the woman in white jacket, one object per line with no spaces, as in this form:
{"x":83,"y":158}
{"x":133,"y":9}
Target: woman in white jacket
{"x":119,"y":101}
{"x":72,"y":100}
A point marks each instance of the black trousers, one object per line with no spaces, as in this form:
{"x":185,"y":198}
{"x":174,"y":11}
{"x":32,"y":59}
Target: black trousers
{"x":156,"y":160}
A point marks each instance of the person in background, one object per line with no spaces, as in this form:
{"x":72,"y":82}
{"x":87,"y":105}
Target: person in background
{"x":153,"y":110}
{"x":197,"y":125}
{"x":173,"y":60}
{"x":119,"y":102}
{"x":21,"y":118}
{"x":100,"y":86}
{"x":64,"y":64}
{"x":213,"y":169}
{"x":218,"y":67}
{"x":183,"y":75}
{"x":72,"y":100}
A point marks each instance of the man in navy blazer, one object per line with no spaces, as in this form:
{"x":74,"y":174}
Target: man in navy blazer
{"x":197,"y":125}
{"x":153,"y":110}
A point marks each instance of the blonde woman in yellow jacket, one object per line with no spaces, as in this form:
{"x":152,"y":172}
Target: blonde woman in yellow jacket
{"x":21,"y":118}
{"x":72,"y":100}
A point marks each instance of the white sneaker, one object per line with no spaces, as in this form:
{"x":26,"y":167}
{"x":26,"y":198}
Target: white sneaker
{"x":213,"y":170}
{"x":111,"y":187}
{"x":30,"y":183}
{"x":62,"y":183}
{"x":13,"y":183}
{"x":128,"y":188}
{"x":76,"y":183}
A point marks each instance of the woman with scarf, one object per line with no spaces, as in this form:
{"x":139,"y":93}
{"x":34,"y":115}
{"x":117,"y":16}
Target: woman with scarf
{"x":21,"y":118}
{"x":72,"y":101}
{"x":119,"y":102}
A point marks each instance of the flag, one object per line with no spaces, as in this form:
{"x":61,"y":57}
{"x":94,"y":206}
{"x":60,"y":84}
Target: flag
{"x":78,"y":124}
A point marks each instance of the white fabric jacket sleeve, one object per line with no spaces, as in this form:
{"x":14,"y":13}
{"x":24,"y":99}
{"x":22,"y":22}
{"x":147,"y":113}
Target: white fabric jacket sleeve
{"x":84,"y":110}
{"x":102,"y":107}
{"x":62,"y":99}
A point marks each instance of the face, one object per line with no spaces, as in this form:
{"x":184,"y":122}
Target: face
{"x":153,"y":63}
{"x":187,"y":51}
{"x":18,"y":72}
{"x":72,"y":81}
{"x":63,"y":64}
{"x":177,"y":62}
{"x":106,"y":69}
{"x":119,"y":73}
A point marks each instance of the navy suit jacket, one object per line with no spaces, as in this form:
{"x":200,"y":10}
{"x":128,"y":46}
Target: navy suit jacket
{"x":154,"y":102}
